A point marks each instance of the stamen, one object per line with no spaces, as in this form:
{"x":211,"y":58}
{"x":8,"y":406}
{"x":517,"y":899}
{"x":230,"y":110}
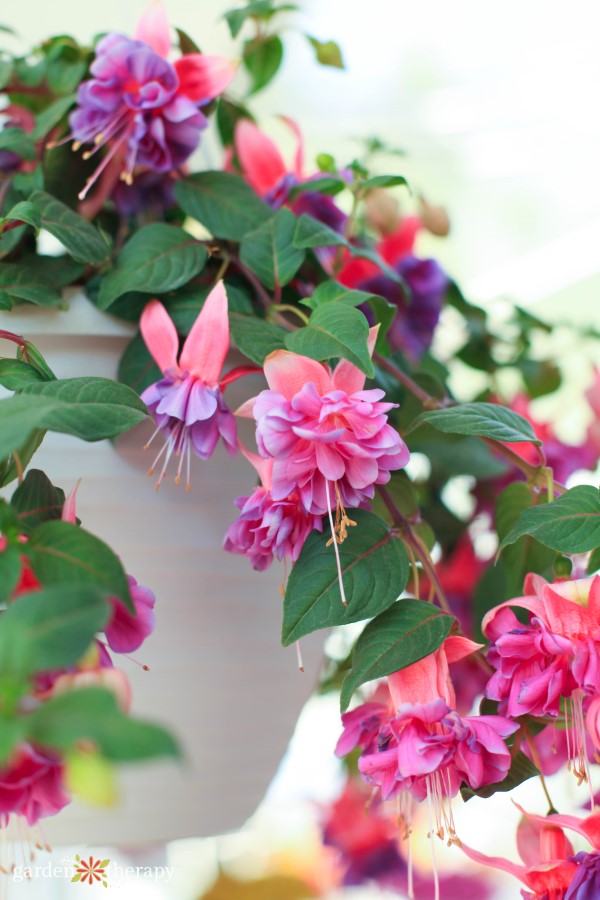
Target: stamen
{"x":111,"y":153}
{"x":335,"y":546}
{"x":299,"y":656}
{"x":436,"y":880}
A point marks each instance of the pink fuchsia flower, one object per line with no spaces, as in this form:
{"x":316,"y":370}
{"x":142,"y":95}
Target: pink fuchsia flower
{"x":187,"y":403}
{"x":548,"y":868}
{"x":143,"y":108}
{"x":267,"y":528}
{"x":126,"y":632}
{"x":31,"y":786}
{"x":328,"y":437}
{"x":554,"y":658}
{"x":361,"y":725}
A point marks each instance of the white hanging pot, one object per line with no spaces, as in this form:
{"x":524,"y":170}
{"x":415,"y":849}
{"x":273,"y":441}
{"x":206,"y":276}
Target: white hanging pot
{"x":218,"y":678}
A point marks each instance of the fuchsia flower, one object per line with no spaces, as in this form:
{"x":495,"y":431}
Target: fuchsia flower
{"x":555,"y":658}
{"x":127,"y":632}
{"x":145,"y":109}
{"x":423,"y":746}
{"x":187,"y":404}
{"x":268,"y":528}
{"x":550,"y":871}
{"x":31,"y":786}
{"x":328,"y":437}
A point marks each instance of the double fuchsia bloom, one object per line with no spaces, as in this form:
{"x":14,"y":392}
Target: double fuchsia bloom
{"x":145,"y":109}
{"x":268,"y":528}
{"x":553,"y":659}
{"x":327,"y":436}
{"x":424,"y":747}
{"x":187,"y":404}
{"x":31,"y":786}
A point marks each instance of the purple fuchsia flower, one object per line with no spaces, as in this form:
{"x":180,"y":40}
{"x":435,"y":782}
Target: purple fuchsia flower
{"x":31,"y":786}
{"x":142,"y":108}
{"x":187,"y":403}
{"x":267,"y":528}
{"x":548,"y":666}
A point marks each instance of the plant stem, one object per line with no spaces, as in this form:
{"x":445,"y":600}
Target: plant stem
{"x":416,"y":390}
{"x":537,"y":762}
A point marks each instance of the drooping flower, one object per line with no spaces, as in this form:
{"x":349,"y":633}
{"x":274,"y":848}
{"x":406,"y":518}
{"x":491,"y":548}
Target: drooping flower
{"x":126,"y":632}
{"x":585,"y":884}
{"x":31,"y":786}
{"x":548,"y":868}
{"x":187,"y":403}
{"x":551,"y":661}
{"x":422,"y":745}
{"x":328,"y":437}
{"x":268,"y":528}
{"x":418,"y":313}
{"x":142,"y":108}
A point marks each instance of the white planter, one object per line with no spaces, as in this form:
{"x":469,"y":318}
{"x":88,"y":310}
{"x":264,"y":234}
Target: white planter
{"x":218,"y":677}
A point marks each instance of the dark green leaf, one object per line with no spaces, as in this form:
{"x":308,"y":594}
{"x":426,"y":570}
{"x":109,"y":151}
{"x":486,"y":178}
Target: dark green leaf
{"x":17,"y":282}
{"x":521,"y":769}
{"x":223,"y":203}
{"x":10,"y":572}
{"x":25,"y":212}
{"x":50,"y":629}
{"x":93,"y":714}
{"x":15,"y":140}
{"x":136,"y":367}
{"x":186,"y":43}
{"x":228,"y":115}
{"x":332,"y":292}
{"x":312,"y":233}
{"x":6,"y":70}
{"x":594,"y":562}
{"x":526,"y":554}
{"x":483,"y":419}
{"x":36,"y":500}
{"x":157,"y":258}
{"x":328,"y":53}
{"x":14,"y":374}
{"x":262,"y":59}
{"x":570,"y":524}
{"x":334,"y":330}
{"x":383,"y":181}
{"x":402,"y":635}
{"x":375,"y":571}
{"x":51,"y":116}
{"x":269,"y":250}
{"x":62,"y":553}
{"x":254,"y":337}
{"x":78,"y":236}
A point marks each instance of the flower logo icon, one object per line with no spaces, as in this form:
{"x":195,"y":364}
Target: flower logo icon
{"x":91,"y":870}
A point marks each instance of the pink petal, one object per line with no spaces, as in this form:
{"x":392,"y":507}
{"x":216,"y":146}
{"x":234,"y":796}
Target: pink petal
{"x":588,"y":827}
{"x":288,"y":372}
{"x":496,"y":862}
{"x":262,"y":163}
{"x":456,"y":648}
{"x":68,"y":511}
{"x":422,"y":682}
{"x":535,"y":605}
{"x":160,"y":335}
{"x":263,"y":466}
{"x":246,"y":410}
{"x":207,"y":343}
{"x":346,"y":377}
{"x":153,"y":28}
{"x":204,"y":77}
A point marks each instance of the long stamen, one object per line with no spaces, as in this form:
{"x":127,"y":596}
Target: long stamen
{"x":299,"y":656}
{"x":335,"y":546}
{"x":94,"y":178}
{"x":436,"y":880}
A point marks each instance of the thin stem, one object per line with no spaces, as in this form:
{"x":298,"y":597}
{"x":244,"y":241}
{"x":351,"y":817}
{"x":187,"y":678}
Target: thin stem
{"x":426,"y":399}
{"x":538,"y":763}
{"x":287,"y":307}
{"x":18,"y":466}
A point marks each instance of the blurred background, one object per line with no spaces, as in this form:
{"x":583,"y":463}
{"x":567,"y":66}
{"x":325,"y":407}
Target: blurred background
{"x":495,"y":111}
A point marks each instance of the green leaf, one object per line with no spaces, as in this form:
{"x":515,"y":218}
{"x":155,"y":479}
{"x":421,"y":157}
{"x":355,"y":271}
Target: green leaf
{"x":17,"y":282}
{"x":383,"y":181}
{"x":254,"y":337}
{"x":93,"y":714}
{"x":521,"y":769}
{"x":60,"y":553}
{"x":50,"y":629}
{"x":334,"y":330}
{"x":12,"y":733}
{"x":223,"y":203}
{"x":312,"y":233}
{"x":89,"y":408}
{"x":186,"y":43}
{"x":375,"y":571}
{"x":326,"y":184}
{"x":594,"y":562}
{"x":6,"y":70}
{"x":80,"y":238}
{"x":14,"y":374}
{"x":328,"y":53}
{"x":156,"y":259}
{"x":137,"y":367}
{"x":51,"y":116}
{"x":402,"y":635}
{"x":25,"y":212}
{"x":269,"y":250}
{"x":36,"y":500}
{"x":483,"y":419}
{"x":228,"y":115}
{"x":570,"y":524}
{"x":15,"y":140}
{"x":60,"y":271}
{"x":332,"y":292}
{"x":262,"y":59}
{"x":10,"y":572}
